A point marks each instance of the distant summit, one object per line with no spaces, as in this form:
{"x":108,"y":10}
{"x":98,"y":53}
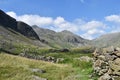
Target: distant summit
{"x":60,"y":39}
{"x":111,"y":39}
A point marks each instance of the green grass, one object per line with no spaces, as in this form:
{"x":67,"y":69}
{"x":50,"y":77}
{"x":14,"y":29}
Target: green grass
{"x":18,"y":68}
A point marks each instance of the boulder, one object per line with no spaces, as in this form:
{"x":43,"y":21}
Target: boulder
{"x":110,"y":57}
{"x":102,"y":71}
{"x":117,"y":49}
{"x":118,"y":54}
{"x":59,"y":60}
{"x":105,"y":77}
{"x":107,"y":64}
{"x":113,"y":66}
{"x":116,"y":73}
{"x":98,"y":63}
{"x":38,"y":78}
{"x":96,"y":69}
{"x":85,"y":58}
{"x":116,"y":77}
{"x":109,"y":71}
{"x":110,"y":49}
{"x":117,"y":61}
{"x":102,"y":57}
{"x":38,"y":71}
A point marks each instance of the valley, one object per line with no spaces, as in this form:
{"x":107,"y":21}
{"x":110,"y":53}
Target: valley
{"x":34,"y":53}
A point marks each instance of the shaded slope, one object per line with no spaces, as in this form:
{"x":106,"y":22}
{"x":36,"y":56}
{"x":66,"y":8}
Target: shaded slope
{"x":17,"y":32}
{"x":21,"y":27}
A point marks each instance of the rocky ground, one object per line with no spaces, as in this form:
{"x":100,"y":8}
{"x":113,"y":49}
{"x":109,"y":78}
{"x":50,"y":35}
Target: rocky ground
{"x":107,"y":64}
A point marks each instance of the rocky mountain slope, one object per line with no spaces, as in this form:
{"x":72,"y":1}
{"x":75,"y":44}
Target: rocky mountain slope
{"x":17,"y":31}
{"x":64,"y":39}
{"x":42,"y":37}
{"x":111,"y":39}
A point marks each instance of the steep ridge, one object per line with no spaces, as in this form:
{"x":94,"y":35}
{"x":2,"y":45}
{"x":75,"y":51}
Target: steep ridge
{"x":17,"y":31}
{"x":21,"y":27}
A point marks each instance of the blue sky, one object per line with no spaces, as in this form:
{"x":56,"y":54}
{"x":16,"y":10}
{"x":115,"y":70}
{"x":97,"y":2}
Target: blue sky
{"x":87,"y":18}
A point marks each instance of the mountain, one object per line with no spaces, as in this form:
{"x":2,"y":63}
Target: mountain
{"x":21,"y":27}
{"x":20,"y":32}
{"x":111,"y":39}
{"x":65,"y":39}
{"x":17,"y":32}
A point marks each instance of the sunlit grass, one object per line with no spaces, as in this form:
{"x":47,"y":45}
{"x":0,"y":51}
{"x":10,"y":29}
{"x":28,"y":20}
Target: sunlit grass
{"x":18,"y":68}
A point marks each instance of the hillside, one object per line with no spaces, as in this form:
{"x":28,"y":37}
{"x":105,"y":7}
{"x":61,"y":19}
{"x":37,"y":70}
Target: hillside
{"x":65,"y":39}
{"x":20,"y":68}
{"x":111,"y":39}
{"x":14,"y":32}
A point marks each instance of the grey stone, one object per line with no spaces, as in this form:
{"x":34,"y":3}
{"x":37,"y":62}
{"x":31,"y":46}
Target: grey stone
{"x":38,"y":78}
{"x":113,"y":66}
{"x":109,"y":71}
{"x":86,"y":58}
{"x":118,"y":54}
{"x":98,"y":63}
{"x":110,"y":49}
{"x":117,"y":61}
{"x":116,"y":77}
{"x":117,"y":49}
{"x":110,"y":57}
{"x":38,"y":70}
{"x":102,"y":71}
{"x":102,"y":57}
{"x":116,"y":73}
{"x":59,"y":60}
{"x":105,"y":77}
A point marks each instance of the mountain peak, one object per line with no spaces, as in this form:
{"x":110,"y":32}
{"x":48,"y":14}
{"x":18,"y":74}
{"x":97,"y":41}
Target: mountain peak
{"x":66,"y":31}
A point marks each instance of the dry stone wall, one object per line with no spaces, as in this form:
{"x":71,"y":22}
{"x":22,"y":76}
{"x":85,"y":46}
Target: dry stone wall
{"x":106,"y":63}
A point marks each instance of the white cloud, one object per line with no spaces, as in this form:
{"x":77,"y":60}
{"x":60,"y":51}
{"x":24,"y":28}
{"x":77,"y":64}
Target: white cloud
{"x":12,"y":14}
{"x":92,"y":25}
{"x":93,"y":29}
{"x":92,"y":33}
{"x":62,"y":24}
{"x":88,"y":30}
{"x":32,"y":19}
{"x":114,"y":23}
{"x":58,"y":24}
{"x":113,"y":18}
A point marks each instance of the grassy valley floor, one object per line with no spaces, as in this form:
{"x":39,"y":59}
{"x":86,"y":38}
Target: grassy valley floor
{"x":19,"y":68}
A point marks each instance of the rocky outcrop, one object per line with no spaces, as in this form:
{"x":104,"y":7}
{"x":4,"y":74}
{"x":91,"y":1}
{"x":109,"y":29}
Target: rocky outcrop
{"x":63,"y":39}
{"x":39,"y":57}
{"x":107,"y":63}
{"x":7,"y":21}
{"x":43,"y":58}
{"x":26,"y":30}
{"x":11,"y":24}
